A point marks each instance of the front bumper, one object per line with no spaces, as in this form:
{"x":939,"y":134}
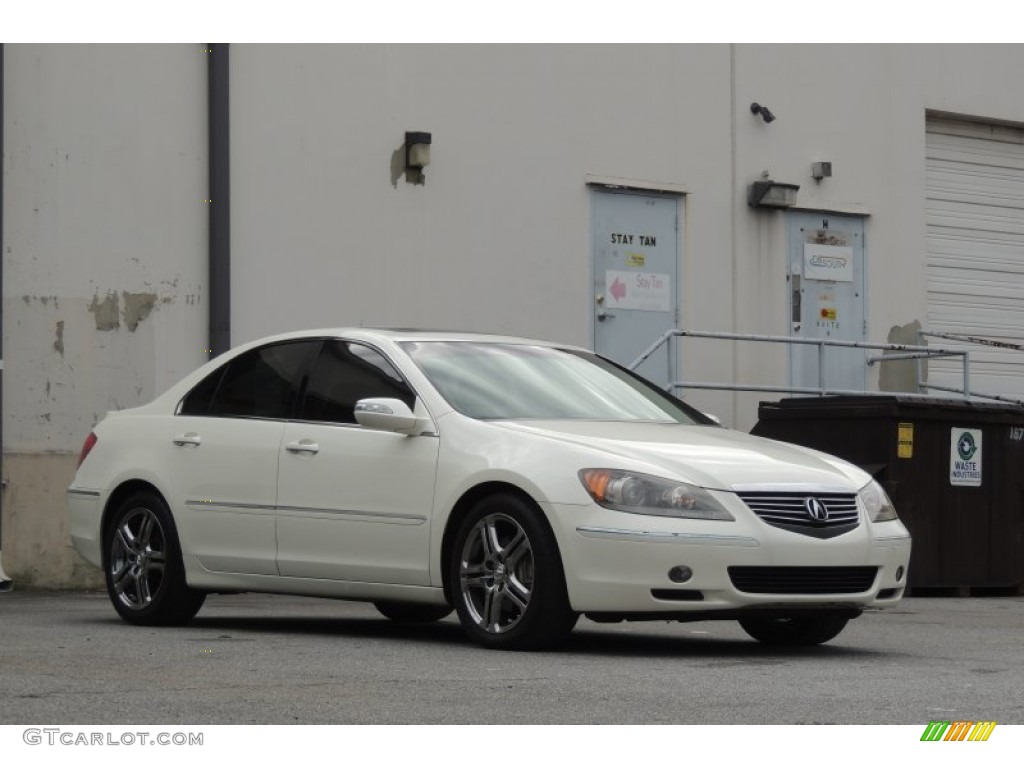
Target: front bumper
{"x":619,"y":563}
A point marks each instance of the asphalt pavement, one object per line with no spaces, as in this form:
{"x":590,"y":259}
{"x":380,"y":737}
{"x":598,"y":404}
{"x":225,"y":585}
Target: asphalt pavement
{"x":253,"y":659}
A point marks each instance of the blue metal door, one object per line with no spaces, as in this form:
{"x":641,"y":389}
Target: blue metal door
{"x":636,"y":258}
{"x":826,"y":298}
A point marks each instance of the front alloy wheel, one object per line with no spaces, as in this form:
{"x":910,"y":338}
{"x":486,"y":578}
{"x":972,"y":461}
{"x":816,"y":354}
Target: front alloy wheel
{"x":496,"y":573}
{"x":506,"y":577}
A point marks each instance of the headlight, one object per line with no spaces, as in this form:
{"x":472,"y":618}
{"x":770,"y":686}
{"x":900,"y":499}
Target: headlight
{"x":646,"y":495}
{"x":877,"y":503}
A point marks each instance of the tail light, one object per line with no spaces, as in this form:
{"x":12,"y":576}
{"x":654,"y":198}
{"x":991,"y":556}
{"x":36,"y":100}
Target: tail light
{"x":87,"y":446}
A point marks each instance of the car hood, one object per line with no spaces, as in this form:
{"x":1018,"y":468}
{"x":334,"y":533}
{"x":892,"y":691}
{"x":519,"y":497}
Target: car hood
{"x":708,"y":456}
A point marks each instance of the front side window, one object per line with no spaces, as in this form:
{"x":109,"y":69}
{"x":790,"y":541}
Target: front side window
{"x":260,"y":383}
{"x":345,"y":373}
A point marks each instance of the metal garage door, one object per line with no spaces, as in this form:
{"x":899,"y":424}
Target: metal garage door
{"x":975,"y":247}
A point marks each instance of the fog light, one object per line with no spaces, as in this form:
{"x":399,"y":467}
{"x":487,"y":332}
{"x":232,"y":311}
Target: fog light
{"x":679,"y":574}
{"x":899,"y":573}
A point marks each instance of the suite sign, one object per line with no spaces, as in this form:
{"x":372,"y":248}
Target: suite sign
{"x":828,"y":262}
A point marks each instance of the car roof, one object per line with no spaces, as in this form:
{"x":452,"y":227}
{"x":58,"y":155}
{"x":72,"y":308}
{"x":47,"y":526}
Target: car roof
{"x":412,"y":334}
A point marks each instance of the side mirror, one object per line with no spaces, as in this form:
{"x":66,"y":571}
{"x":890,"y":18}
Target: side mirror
{"x":387,"y":414}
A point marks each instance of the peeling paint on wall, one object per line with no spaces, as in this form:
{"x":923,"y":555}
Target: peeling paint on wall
{"x":58,"y":344}
{"x":137,"y":307}
{"x":105,"y":312}
{"x":902,"y":375}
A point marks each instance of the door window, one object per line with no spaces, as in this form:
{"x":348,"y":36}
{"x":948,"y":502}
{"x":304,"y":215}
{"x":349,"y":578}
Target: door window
{"x":344,"y":373}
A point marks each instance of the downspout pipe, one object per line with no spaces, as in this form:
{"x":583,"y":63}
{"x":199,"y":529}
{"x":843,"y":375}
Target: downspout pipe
{"x":5,"y":583}
{"x":220,"y":197}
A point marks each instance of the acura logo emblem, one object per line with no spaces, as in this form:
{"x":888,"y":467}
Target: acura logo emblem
{"x":815,"y":509}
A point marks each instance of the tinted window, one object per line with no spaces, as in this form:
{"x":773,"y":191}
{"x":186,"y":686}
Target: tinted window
{"x":262,"y":383}
{"x":197,"y":402}
{"x":345,"y":373}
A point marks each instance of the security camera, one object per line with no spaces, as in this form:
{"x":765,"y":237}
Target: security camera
{"x":764,"y":112}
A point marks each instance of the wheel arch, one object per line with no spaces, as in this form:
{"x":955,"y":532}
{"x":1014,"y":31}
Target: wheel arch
{"x":465,"y":504}
{"x":122,"y":492}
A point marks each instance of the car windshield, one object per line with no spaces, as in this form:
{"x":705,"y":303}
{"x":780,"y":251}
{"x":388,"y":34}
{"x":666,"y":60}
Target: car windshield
{"x":520,"y":381}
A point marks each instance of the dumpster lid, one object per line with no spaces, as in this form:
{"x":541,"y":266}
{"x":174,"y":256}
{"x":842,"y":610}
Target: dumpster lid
{"x":891,"y":404}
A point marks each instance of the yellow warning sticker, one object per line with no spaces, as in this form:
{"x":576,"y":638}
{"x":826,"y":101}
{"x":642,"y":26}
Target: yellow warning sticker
{"x":635,"y":259}
{"x":905,"y":441}
{"x":828,"y":313}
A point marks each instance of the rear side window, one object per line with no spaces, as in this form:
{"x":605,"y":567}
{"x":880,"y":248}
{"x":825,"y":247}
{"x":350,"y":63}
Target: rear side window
{"x":261,"y":383}
{"x":197,"y":402}
{"x":344,"y":373}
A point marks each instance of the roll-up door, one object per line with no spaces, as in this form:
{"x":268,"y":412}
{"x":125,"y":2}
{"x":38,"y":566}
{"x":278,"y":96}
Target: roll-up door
{"x":975,"y":247}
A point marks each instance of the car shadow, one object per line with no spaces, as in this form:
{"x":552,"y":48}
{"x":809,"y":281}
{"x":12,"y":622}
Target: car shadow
{"x":600,"y":642}
{"x":587,"y":640}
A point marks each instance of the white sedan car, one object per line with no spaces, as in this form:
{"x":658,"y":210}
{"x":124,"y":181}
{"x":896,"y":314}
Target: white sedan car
{"x":519,"y":482}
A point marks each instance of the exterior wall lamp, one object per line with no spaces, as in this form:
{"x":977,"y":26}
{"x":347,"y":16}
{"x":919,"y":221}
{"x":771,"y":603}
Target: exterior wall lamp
{"x":763,"y":112}
{"x":417,"y":150}
{"x":772,"y":194}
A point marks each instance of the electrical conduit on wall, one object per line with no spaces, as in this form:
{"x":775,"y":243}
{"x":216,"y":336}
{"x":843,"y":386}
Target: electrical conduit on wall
{"x":5,"y":582}
{"x":220,"y":198}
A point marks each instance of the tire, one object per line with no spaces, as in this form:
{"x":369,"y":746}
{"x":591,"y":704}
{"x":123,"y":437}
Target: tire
{"x":142,"y":564}
{"x":810,"y":629}
{"x":506,"y":577}
{"x":419,"y":613}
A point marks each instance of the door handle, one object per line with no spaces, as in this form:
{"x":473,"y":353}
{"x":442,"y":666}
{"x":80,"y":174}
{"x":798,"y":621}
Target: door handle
{"x":303,"y":446}
{"x":189,"y":438}
{"x":602,"y":315}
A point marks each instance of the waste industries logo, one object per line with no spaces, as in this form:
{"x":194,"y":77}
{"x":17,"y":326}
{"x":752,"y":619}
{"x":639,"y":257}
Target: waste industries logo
{"x":965,"y":457}
{"x":958,"y":730}
{"x":966,"y":446}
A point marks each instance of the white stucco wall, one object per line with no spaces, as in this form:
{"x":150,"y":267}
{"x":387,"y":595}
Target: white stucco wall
{"x":498,"y":237}
{"x":104,"y":259}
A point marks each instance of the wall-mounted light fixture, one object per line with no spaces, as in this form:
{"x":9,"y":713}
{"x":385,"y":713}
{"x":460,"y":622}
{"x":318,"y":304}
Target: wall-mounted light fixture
{"x":417,"y":150}
{"x":764,"y":112}
{"x":821,"y":170}
{"x":772,"y":194}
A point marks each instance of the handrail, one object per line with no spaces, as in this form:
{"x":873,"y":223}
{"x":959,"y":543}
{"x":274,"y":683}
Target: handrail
{"x":903,"y":352}
{"x":978,"y":341}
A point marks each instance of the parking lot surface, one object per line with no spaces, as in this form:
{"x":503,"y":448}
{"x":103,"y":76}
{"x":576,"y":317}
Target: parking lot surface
{"x":66,"y":658}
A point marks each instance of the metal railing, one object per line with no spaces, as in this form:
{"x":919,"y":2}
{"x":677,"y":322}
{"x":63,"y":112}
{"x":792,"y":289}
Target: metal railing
{"x":974,"y":340}
{"x":896,"y":352}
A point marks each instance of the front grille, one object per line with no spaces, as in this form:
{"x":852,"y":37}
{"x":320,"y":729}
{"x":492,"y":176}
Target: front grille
{"x":788,"y":510}
{"x":802,"y":580}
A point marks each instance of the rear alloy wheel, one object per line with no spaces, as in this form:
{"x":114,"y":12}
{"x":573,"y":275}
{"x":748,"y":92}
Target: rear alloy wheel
{"x":419,"y":613}
{"x":144,"y":573}
{"x":809,"y":629}
{"x":506,"y":577}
